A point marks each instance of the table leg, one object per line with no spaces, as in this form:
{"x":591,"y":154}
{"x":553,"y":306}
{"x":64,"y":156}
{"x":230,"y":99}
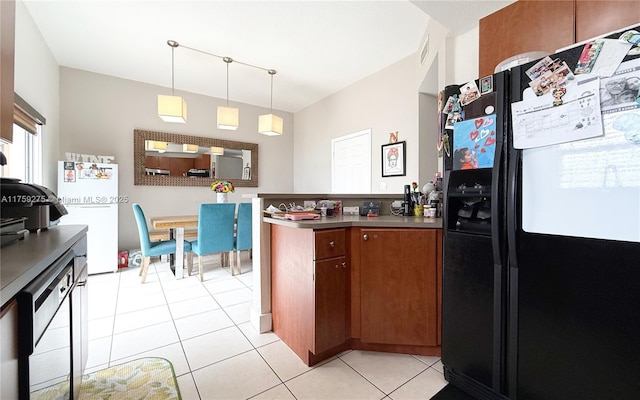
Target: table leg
{"x":172,"y":256}
{"x":179,"y":261}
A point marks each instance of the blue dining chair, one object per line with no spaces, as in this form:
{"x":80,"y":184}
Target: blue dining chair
{"x":243,"y":233}
{"x":215,"y":231}
{"x":149,"y":248}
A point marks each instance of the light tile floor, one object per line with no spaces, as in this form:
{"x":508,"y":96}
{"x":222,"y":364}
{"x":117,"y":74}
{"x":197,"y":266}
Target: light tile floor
{"x":203,"y":329}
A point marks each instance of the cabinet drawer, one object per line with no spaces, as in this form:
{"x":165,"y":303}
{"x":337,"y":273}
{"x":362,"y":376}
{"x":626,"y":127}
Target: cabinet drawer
{"x":329,"y":243}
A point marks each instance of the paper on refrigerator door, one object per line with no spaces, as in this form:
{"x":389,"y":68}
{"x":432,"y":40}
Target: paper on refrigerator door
{"x":537,"y":122}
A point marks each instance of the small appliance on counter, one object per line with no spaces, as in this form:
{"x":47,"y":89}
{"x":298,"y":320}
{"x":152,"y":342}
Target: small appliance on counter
{"x":11,"y":230}
{"x":370,"y":207}
{"x":38,"y":204}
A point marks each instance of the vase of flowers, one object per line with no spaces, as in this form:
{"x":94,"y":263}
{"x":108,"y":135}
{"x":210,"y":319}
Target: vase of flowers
{"x":222,"y":189}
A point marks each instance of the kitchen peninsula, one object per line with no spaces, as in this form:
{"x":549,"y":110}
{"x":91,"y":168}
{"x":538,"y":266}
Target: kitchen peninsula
{"x":353,"y":282}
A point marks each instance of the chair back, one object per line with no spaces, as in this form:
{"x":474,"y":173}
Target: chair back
{"x":215,"y":227}
{"x":143,"y":231}
{"x":243,"y":230}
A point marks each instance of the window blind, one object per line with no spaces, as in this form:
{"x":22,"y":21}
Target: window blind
{"x":26,"y":116}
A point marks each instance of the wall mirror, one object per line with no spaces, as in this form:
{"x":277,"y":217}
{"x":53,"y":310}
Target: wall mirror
{"x":171,"y":159}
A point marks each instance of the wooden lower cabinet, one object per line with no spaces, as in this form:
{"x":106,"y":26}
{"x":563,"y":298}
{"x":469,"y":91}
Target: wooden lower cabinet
{"x":309,"y":297}
{"x":368,"y":289}
{"x":331,"y":304}
{"x":398,"y":286}
{"x":9,"y":350}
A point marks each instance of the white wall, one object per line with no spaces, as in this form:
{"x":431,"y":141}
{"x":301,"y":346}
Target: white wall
{"x":37,"y":82}
{"x":463,"y":57}
{"x":387,"y":101}
{"x":99,"y":113}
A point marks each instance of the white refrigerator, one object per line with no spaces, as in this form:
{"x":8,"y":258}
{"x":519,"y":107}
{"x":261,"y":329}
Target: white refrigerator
{"x":89,"y":191}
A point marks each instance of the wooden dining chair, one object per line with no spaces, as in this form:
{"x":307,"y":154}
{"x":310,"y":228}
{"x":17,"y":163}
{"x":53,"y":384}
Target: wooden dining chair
{"x":150,"y":249}
{"x":243,"y":234}
{"x":215,"y":231}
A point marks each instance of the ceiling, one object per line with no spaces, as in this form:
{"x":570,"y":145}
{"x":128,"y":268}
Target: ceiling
{"x":317,"y":47}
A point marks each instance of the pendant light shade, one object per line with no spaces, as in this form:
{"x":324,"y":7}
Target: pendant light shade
{"x":153,"y":145}
{"x":270,"y":124}
{"x":172,"y":108}
{"x":190,"y":148}
{"x":217,"y":150}
{"x":228,"y":117}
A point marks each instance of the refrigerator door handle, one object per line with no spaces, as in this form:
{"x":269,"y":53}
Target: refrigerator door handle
{"x":496,"y":178}
{"x":512,"y":211}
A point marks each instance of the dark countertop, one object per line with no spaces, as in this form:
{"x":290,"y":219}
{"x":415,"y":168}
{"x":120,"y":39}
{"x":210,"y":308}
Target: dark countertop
{"x":297,"y":196}
{"x":24,"y":260}
{"x":344,"y":221}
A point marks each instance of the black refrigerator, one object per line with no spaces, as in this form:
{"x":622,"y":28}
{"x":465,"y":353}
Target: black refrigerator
{"x":541,"y":259}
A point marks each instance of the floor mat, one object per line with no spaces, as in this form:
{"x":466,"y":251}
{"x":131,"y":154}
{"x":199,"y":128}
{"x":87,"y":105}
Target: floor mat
{"x":144,"y":378}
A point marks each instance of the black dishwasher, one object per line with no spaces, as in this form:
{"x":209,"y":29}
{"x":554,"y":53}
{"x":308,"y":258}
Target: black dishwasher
{"x":52,"y":322}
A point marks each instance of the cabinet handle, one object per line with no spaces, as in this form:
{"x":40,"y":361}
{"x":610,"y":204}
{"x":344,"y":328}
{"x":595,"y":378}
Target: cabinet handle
{"x":365,"y":237}
{"x":344,"y":264}
{"x":332,"y":244}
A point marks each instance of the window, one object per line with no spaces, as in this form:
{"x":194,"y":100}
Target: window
{"x":24,"y":156}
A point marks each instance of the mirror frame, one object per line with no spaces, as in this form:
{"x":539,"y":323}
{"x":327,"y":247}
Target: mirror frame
{"x":140,"y":178}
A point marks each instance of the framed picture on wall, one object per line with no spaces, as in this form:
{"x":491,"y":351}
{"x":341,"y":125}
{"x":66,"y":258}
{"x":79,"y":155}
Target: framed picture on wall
{"x":394,"y":159}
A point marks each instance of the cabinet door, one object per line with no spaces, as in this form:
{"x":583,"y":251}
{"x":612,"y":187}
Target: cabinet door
{"x":79,"y":327}
{"x":164,"y":163}
{"x":595,"y":18}
{"x":524,"y":26}
{"x":151,"y":162}
{"x":202,"y":162}
{"x":179,"y":166}
{"x":329,"y":243}
{"x":398,"y":286}
{"x":330,"y":303}
{"x":9,"y":350}
{"x":7,"y":45}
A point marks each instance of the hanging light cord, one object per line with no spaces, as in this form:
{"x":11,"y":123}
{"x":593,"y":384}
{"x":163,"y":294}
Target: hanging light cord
{"x":173,"y":44}
{"x":227,"y":60}
{"x":172,"y":72}
{"x":272,"y":72}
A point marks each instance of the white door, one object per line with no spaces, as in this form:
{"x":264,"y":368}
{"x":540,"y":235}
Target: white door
{"x":351,"y":163}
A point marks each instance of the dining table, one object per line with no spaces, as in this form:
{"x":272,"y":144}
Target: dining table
{"x":176,"y":225}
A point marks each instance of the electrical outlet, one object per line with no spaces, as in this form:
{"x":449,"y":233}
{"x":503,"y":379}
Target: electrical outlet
{"x":396,"y":204}
{"x":351,"y":210}
{"x":309,"y":204}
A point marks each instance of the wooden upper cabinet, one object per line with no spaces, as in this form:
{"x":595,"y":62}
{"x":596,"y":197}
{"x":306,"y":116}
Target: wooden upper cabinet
{"x":524,"y":26}
{"x":7,"y":46}
{"x":202,"y":162}
{"x":594,"y":18}
{"x":540,"y":25}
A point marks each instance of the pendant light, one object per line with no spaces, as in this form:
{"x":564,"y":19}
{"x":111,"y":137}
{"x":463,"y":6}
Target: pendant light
{"x":190,"y":148}
{"x":270,"y":124}
{"x":218,"y":151}
{"x":172,"y":108}
{"x":227,"y":116}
